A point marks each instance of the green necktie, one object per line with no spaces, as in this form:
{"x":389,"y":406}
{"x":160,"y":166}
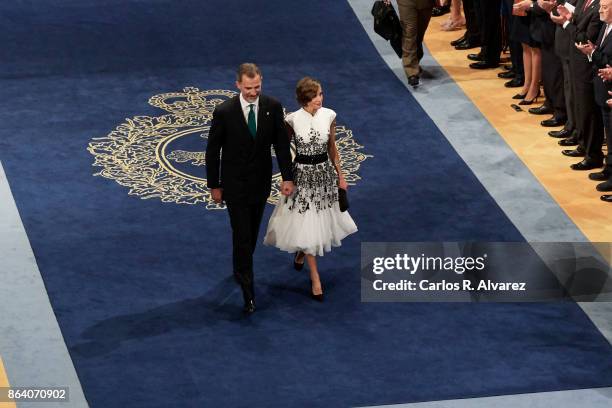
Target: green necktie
{"x":251,"y":121}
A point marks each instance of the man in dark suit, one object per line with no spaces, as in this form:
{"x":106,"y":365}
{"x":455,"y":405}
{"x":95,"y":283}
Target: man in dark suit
{"x":584,"y":25}
{"x":244,"y":128}
{"x":471,"y":38}
{"x":601,"y":54}
{"x":569,"y":134}
{"x":490,"y":30}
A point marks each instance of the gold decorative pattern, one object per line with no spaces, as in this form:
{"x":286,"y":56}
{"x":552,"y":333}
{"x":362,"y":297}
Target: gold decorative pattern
{"x":138,"y":153}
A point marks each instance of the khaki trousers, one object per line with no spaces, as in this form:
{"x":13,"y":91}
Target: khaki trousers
{"x":414,"y":17}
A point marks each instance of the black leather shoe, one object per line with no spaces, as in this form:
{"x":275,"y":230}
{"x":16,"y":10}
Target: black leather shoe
{"x":413,"y":80}
{"x":587,"y":164}
{"x":599,"y":176}
{"x":607,"y":198}
{"x":605,"y":186}
{"x":553,"y":122}
{"x":466,"y":45}
{"x":440,"y":11}
{"x":570,"y":141}
{"x":298,"y":266}
{"x":484,"y":65}
{"x":249,"y":307}
{"x":560,"y":134}
{"x":574,"y":153}
{"x":476,"y":57}
{"x":541,"y":110}
{"x":506,"y":75}
{"x":458,"y":41}
{"x":515,"y":83}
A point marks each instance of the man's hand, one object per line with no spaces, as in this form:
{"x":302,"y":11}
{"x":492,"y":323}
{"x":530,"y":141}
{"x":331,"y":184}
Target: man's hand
{"x":523,"y":6}
{"x":547,"y":5}
{"x":287,"y":188}
{"x":217,"y":195}
{"x":609,"y":101}
{"x":557,"y":19}
{"x":564,"y":12}
{"x":586,"y":49}
{"x":605,"y":73}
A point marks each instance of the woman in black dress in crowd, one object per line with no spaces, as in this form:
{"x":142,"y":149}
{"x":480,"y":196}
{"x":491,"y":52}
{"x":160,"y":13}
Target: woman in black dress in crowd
{"x":532,"y":56}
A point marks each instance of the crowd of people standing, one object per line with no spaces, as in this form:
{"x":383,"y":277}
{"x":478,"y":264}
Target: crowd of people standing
{"x":560,"y":46}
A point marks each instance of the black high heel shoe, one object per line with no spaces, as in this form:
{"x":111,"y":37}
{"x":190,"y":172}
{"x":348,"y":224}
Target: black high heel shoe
{"x":519,"y":96}
{"x":298,"y":265}
{"x":319,"y":297}
{"x":530,"y":102}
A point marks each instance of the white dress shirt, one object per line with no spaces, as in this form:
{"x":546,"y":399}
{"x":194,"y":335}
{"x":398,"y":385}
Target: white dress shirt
{"x":246,"y":109}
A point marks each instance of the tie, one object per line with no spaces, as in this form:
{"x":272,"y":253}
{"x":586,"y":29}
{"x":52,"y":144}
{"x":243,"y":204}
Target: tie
{"x":251,"y":121}
{"x":587,"y":3}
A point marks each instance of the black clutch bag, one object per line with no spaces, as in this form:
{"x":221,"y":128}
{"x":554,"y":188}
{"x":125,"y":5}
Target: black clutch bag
{"x":343,"y":199}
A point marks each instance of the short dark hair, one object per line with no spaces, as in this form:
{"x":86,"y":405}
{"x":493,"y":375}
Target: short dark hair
{"x":249,"y":69}
{"x":306,"y":90}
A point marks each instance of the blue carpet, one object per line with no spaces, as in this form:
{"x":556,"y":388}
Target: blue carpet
{"x":142,"y":289}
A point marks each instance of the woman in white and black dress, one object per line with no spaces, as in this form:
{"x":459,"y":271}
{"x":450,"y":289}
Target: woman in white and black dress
{"x":309,"y":222}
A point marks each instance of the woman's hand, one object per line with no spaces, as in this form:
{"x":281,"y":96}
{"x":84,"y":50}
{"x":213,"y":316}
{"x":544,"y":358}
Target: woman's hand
{"x":342,"y":183}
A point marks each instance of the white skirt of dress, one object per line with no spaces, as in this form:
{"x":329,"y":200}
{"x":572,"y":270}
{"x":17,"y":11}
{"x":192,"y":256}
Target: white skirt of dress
{"x":312,"y":232}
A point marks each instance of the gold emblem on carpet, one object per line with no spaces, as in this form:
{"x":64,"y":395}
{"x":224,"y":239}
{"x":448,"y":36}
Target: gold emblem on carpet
{"x":162,"y":156}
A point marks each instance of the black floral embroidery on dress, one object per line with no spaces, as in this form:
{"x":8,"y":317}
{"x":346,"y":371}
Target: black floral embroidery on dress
{"x":316,"y":185}
{"x":312,"y":144}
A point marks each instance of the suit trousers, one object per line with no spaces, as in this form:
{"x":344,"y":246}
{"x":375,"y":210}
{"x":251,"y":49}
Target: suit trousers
{"x":605,"y":110}
{"x":516,"y":48}
{"x":552,"y":78}
{"x":588,"y":119}
{"x":245,"y":219}
{"x":490,"y":28}
{"x":414,"y":17}
{"x":568,"y":93}
{"x":472,"y":34}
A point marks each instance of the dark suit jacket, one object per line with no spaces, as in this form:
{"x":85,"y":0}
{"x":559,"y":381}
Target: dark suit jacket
{"x":245,"y":172}
{"x":562,"y":37}
{"x":601,"y":57}
{"x":585,"y":26}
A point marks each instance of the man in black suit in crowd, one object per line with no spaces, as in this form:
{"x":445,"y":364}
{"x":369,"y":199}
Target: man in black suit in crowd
{"x":243,"y":129}
{"x":490,"y":30}
{"x":569,"y":133}
{"x":517,"y":72}
{"x":601,"y":54}
{"x":471,"y":38}
{"x":583,"y":25}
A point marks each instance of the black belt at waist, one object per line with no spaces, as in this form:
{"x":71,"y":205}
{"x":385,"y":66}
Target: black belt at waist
{"x":311,"y":159}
